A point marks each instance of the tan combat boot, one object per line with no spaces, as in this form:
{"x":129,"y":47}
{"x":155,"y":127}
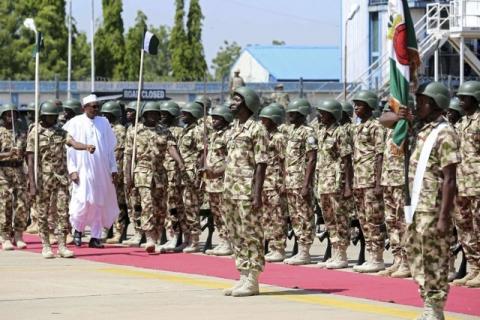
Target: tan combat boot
{"x":238,"y":285}
{"x":341,"y":260}
{"x":376,"y":264}
{"x":7,"y":245}
{"x":474,"y":283}
{"x":53,"y":238}
{"x":472,"y":273}
{"x":302,"y":257}
{"x":135,"y":240}
{"x":275,"y":256}
{"x":250,"y":286}
{"x":19,"y":240}
{"x":224,"y":249}
{"x":46,"y":247}
{"x":63,"y":251}
{"x":432,"y":311}
{"x":33,"y":227}
{"x":194,"y":245}
{"x":168,"y":246}
{"x":151,"y":240}
{"x":452,"y":273}
{"x":115,"y":239}
{"x":403,"y":271}
{"x":397,"y":260}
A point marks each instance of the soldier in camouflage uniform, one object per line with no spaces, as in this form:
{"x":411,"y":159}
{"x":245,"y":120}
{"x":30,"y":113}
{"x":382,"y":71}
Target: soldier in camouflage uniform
{"x":133,"y":198}
{"x":427,"y":240}
{"x":334,"y":154}
{"x":367,"y":165}
{"x":280,"y":97}
{"x":71,"y":108}
{"x":300,"y":159}
{"x":214,"y":174}
{"x":12,"y":181}
{"x":236,"y":81}
{"x":52,"y":177}
{"x":274,"y":218}
{"x":175,"y":221}
{"x":467,"y":215}
{"x":113,"y":112}
{"x":393,"y":183}
{"x":149,"y":175}
{"x":455,"y":112}
{"x":190,"y":144}
{"x":246,"y":163}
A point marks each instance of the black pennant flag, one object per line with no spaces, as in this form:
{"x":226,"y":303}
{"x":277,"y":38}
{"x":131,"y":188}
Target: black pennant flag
{"x":150,"y":42}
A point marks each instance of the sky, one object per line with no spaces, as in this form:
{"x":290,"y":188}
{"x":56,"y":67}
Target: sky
{"x":297,"y":22}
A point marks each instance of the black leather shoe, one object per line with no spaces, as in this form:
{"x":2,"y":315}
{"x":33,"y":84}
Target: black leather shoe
{"x":95,"y":243}
{"x":77,"y":238}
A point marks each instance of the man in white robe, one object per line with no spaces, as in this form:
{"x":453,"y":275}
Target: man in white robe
{"x":93,"y":198}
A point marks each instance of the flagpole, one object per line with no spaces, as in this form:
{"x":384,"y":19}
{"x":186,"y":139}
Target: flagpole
{"x":92,"y":51}
{"x":137,"y":113}
{"x":69,"y":68}
{"x":37,"y":98}
{"x":205,"y":138}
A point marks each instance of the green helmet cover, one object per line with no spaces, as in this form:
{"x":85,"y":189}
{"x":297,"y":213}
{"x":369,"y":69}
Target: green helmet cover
{"x":7,"y":107}
{"x":205,"y":101}
{"x":367,"y":96}
{"x":49,"y":108}
{"x":222,"y":111}
{"x":273,"y":112}
{"x":112,"y":107}
{"x":470,"y":88}
{"x":455,"y":105}
{"x":73,"y":105}
{"x":132,"y":105}
{"x":347,"y":107}
{"x":194,"y":108}
{"x":333,"y":107}
{"x":30,"y":106}
{"x":437,"y":91}
{"x":252,"y":101}
{"x":150,"y":106}
{"x":299,"y":105}
{"x":171,"y":107}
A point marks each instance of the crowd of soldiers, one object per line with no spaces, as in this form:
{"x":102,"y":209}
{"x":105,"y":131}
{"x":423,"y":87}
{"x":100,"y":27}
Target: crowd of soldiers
{"x":262,"y":171}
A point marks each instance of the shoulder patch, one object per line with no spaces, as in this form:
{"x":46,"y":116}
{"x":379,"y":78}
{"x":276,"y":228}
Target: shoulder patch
{"x":311,"y":140}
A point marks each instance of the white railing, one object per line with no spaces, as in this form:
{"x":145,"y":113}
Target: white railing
{"x":464,"y":15}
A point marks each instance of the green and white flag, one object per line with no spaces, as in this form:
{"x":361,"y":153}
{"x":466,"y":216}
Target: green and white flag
{"x":404,"y":61}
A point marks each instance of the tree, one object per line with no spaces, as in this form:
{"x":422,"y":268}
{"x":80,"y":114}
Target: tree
{"x":109,"y":42}
{"x":196,"y":58}
{"x":178,"y":45}
{"x":80,"y":55}
{"x":133,"y":44}
{"x":225,"y":58}
{"x":9,"y":23}
{"x":159,"y":66}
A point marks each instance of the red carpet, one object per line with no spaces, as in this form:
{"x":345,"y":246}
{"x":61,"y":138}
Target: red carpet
{"x":462,"y":300}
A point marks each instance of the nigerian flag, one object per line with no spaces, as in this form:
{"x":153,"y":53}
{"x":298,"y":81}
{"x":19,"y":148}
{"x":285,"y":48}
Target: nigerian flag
{"x":404,"y":60}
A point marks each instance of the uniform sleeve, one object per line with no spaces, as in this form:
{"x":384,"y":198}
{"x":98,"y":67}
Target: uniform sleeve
{"x":170,"y":139}
{"x":448,"y":147}
{"x":68,"y":138}
{"x":379,"y":138}
{"x":311,"y":142}
{"x":344,"y":146}
{"x":31,"y":141}
{"x":260,"y":144}
{"x":280,"y":145}
{"x":198,"y":136}
{"x":128,"y":143}
{"x":120,"y":134}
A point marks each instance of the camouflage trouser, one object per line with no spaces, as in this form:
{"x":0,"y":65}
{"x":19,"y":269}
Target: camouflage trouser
{"x":427,"y":254}
{"x":466,"y":219}
{"x":301,"y":216}
{"x":371,"y":216}
{"x":13,"y":197}
{"x":274,"y":220}
{"x":394,"y":200}
{"x":244,"y":233}
{"x":175,"y":221}
{"x":154,"y":207}
{"x":191,"y":204}
{"x":134,"y":208}
{"x":216,"y":206}
{"x":121,"y":222}
{"x":52,"y":207}
{"x":336,"y":218}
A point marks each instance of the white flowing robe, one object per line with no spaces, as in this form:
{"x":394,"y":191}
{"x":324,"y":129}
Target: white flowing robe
{"x":93,"y":200}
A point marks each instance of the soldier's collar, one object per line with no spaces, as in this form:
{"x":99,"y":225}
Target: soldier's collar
{"x":434,"y":123}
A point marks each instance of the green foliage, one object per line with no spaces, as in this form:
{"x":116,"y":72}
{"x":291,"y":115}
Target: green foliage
{"x":178,"y":45}
{"x":225,"y":58}
{"x":196,"y":57}
{"x":109,"y":42}
{"x":133,"y":43}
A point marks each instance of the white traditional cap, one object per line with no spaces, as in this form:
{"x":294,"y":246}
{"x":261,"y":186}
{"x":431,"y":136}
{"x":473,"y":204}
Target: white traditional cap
{"x":89,"y":99}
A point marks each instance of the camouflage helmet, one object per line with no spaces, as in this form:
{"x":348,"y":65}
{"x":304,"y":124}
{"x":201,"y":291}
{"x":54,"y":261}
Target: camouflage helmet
{"x":132,"y":105}
{"x":299,"y":105}
{"x":58,"y":102}
{"x":7,"y":107}
{"x":30,"y":107}
{"x":194,"y":108}
{"x":205,"y":101}
{"x":347,"y":108}
{"x":112,"y":107}
{"x":49,"y":108}
{"x":437,"y":91}
{"x":367,"y":96}
{"x":150,"y":106}
{"x":222,"y":111}
{"x":252,"y":101}
{"x":273,"y":112}
{"x":331,"y":106}
{"x":74,"y":105}
{"x":170,"y":107}
{"x":470,"y":88}
{"x":455,"y":105}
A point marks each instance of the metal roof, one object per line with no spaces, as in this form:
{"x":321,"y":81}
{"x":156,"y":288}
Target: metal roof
{"x":293,"y":62}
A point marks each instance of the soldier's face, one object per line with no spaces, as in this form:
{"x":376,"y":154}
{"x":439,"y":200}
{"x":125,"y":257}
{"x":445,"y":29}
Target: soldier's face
{"x":31,"y":115}
{"x":453,"y":116}
{"x":468,"y":104}
{"x":49,"y":120}
{"x":218,"y":122}
{"x":166,"y":118}
{"x":237,"y":101}
{"x":130,"y":115}
{"x":268,"y":123}
{"x":110,"y":117}
{"x":151,"y":118}
{"x":326,"y":118}
{"x":295,"y":117}
{"x":362,"y":110}
{"x":187,"y":118}
{"x":7,"y":117}
{"x":425,"y":107}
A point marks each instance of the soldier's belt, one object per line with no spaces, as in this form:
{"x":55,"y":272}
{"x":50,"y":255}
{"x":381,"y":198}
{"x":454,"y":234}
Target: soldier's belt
{"x":10,"y":164}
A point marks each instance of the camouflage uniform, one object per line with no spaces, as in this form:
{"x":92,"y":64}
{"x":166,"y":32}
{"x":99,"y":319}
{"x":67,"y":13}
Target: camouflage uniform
{"x":246,"y":147}
{"x":467,"y":215}
{"x":368,"y":143}
{"x":52,"y":185}
{"x":300,"y":141}
{"x":149,"y":175}
{"x":175,"y":221}
{"x":274,"y":219}
{"x":333,"y":146}
{"x":120,"y":134}
{"x":12,"y":186}
{"x":348,"y":205}
{"x":190,"y":145}
{"x":216,"y":158}
{"x":426,"y":251}
{"x":281,"y":98}
{"x":133,"y":198}
{"x":393,"y":182}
